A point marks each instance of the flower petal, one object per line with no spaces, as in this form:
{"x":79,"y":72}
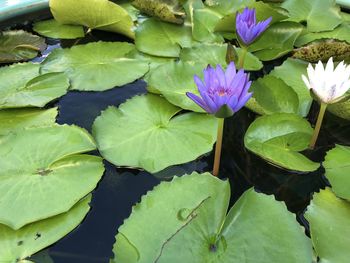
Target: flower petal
{"x":198,"y":101}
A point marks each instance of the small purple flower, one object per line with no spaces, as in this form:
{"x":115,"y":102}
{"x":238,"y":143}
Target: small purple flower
{"x":246,"y":27}
{"x":222,"y":93}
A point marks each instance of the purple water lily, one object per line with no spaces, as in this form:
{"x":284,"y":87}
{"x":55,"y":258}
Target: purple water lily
{"x":246,"y":27}
{"x":222,"y":93}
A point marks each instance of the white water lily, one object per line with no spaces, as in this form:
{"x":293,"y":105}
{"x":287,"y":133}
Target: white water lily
{"x":329,"y":85}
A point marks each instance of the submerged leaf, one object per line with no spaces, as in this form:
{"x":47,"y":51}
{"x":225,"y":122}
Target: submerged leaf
{"x":15,"y":119}
{"x":323,"y":50}
{"x":329,"y":226}
{"x":144,"y":132}
{"x":278,"y":138}
{"x":97,"y":66}
{"x":22,"y":86}
{"x":337,"y":165}
{"x":94,"y":14}
{"x":45,"y":166}
{"x":189,"y":215}
{"x":167,"y":10}
{"x":52,"y":28}
{"x":19,"y":46}
{"x":16,"y":245}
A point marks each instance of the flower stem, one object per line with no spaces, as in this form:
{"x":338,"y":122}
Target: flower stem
{"x":318,"y":125}
{"x":242,"y":57}
{"x":218,"y":146}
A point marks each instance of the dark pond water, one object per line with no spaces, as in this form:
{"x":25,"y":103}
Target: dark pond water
{"x":121,"y":188}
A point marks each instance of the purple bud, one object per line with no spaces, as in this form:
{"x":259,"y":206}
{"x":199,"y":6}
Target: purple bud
{"x":246,"y":27}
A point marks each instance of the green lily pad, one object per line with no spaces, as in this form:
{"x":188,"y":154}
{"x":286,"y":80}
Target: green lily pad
{"x":173,"y":80}
{"x":203,"y":22}
{"x":205,"y":54}
{"x":341,"y":109}
{"x":15,"y":119}
{"x":320,"y":15}
{"x":214,"y":54}
{"x":227,"y":7}
{"x":44,"y":166}
{"x":329,"y":226}
{"x":166,"y":10}
{"x":197,"y":229}
{"x":144,"y":132}
{"x":341,"y":33}
{"x":19,"y":45}
{"x":52,"y":28}
{"x":290,"y":72}
{"x":96,"y":66}
{"x":153,"y":61}
{"x":16,"y":245}
{"x":323,"y":50}
{"x":337,"y":165}
{"x":22,"y":86}
{"x":127,"y":5}
{"x":278,"y":138}
{"x":94,"y":14}
{"x":274,"y":95}
{"x":276,"y":41}
{"x":170,"y":38}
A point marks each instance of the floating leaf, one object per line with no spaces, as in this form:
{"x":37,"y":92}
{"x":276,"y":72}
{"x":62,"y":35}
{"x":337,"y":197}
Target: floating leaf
{"x":279,"y":138}
{"x":127,"y":5}
{"x":173,"y":80}
{"x":19,"y":46}
{"x":153,"y":61}
{"x":329,"y":226}
{"x":204,"y":21}
{"x":170,"y":38}
{"x":94,"y":14}
{"x":276,"y":41}
{"x":320,"y":15}
{"x":96,"y":66}
{"x":323,"y":50}
{"x":205,"y":54}
{"x":44,"y":166}
{"x":52,"y":28}
{"x":214,"y":54}
{"x":22,"y":85}
{"x":16,"y":245}
{"x":337,"y":165}
{"x":274,"y":95}
{"x":341,"y":33}
{"x":227,"y":7}
{"x":167,"y":10}
{"x":341,"y":109}
{"x":290,"y":72}
{"x":15,"y":119}
{"x":194,"y":208}
{"x":144,"y":132}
